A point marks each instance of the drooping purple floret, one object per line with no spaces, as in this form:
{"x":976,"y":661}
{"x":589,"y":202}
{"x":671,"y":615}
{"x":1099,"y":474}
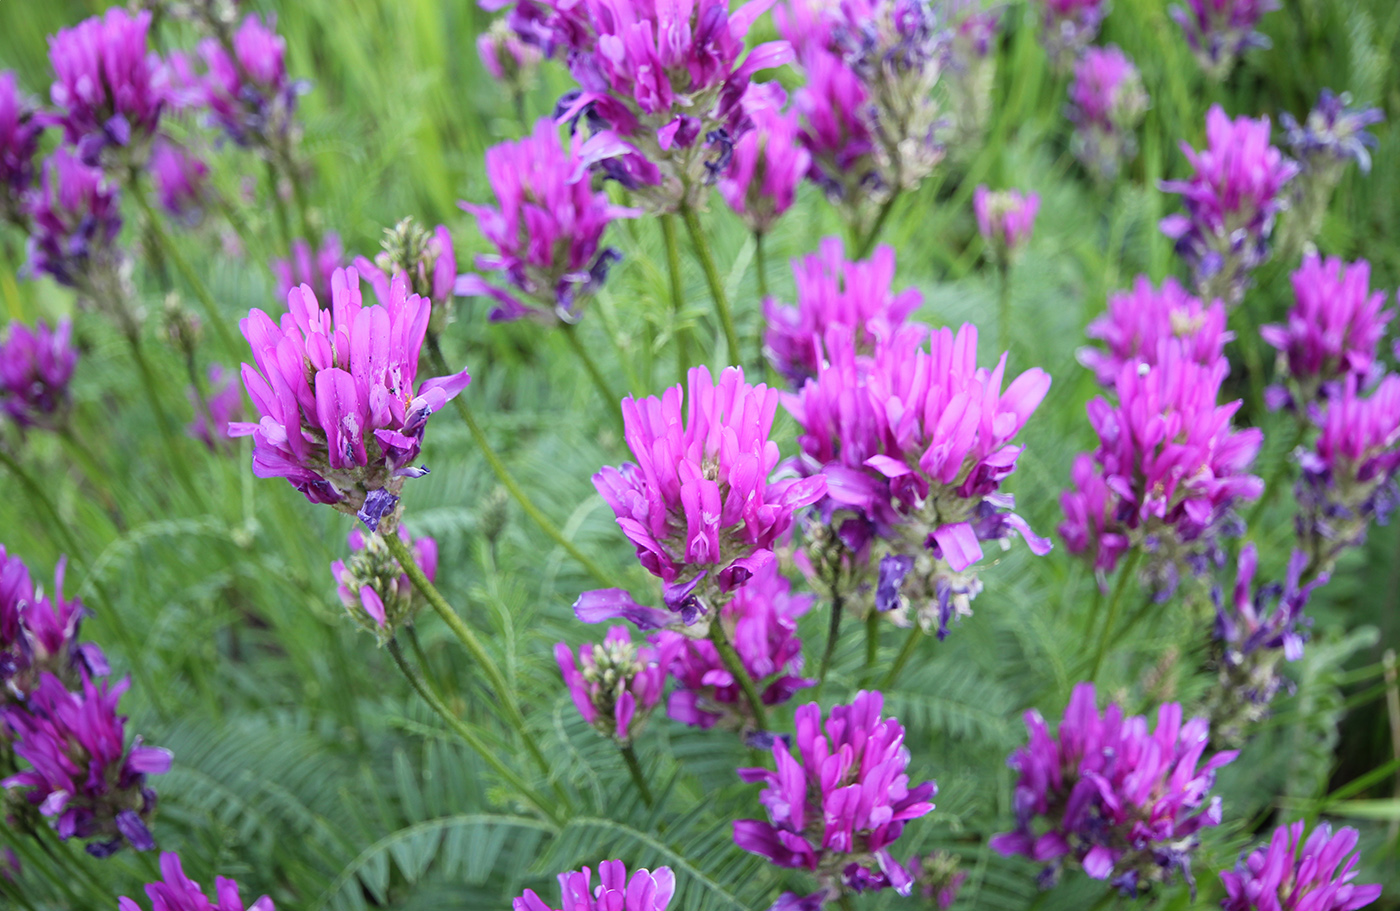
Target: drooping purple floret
{"x":375,"y":590}
{"x":36,"y":366}
{"x":839,"y":802}
{"x":81,"y":772}
{"x":311,"y":267}
{"x":110,"y":89}
{"x":616,"y":685}
{"x":342,"y":415}
{"x":645,"y":891}
{"x":547,"y":226}
{"x":248,"y":93}
{"x":75,"y":217}
{"x":1220,"y":31}
{"x":19,"y":143}
{"x":1290,"y":874}
{"x":1105,"y":794}
{"x":1106,"y":103}
{"x":1005,"y":219}
{"x":1138,"y":321}
{"x":177,"y":892}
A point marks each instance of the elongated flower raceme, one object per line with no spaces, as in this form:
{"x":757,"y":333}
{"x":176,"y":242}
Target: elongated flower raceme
{"x":342,"y":416}
{"x":1140,"y":320}
{"x":82,"y":773}
{"x":1109,"y":796}
{"x":180,"y":179}
{"x":75,"y":217}
{"x":110,"y":89}
{"x":833,"y":291}
{"x":838,"y":804}
{"x":1106,"y":104}
{"x":311,"y":267}
{"x":1329,"y":139}
{"x":20,"y":128}
{"x":376,"y":592}
{"x":647,"y":890}
{"x":39,"y":634}
{"x":1232,"y":200}
{"x":698,"y":504}
{"x":840,"y":142}
{"x":35,"y":368}
{"x":1333,"y":331}
{"x":916,"y":440}
{"x":547,"y":226}
{"x":1167,"y":473}
{"x":246,"y":89}
{"x":616,"y":685}
{"x":761,"y":621}
{"x":1005,"y":219}
{"x":1293,"y":874}
{"x":1257,"y":629}
{"x":177,"y":892}
{"x":1067,"y":27}
{"x":1220,"y":31}
{"x":1348,"y":478}
{"x":768,"y":164}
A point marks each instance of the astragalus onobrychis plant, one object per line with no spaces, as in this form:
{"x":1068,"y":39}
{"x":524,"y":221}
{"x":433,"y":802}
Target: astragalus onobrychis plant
{"x":614,"y":455}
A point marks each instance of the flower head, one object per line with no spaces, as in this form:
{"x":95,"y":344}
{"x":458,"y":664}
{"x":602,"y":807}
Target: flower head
{"x":308,"y":267}
{"x":1106,"y":104}
{"x":1138,"y":321}
{"x":377,"y":594}
{"x":645,"y":891}
{"x":1333,"y":135}
{"x":833,"y":291}
{"x":1291,"y":874}
{"x":761,"y":621}
{"x":969,"y":71}
{"x":619,"y":684}
{"x":698,"y":504}
{"x":177,"y":892}
{"x":75,"y":215}
{"x":35,"y":368}
{"x":248,"y":92}
{"x":547,"y":226}
{"x":1231,"y":203}
{"x":180,"y":179}
{"x":1332,"y":332}
{"x":82,"y":774}
{"x":1068,"y":27}
{"x":1105,"y":793}
{"x":39,"y":634}
{"x":839,"y":141}
{"x":838,"y":804}
{"x":505,"y":56}
{"x":1005,"y":219}
{"x":768,"y":163}
{"x":341,"y":418}
{"x":426,"y":257}
{"x":939,"y":878}
{"x":19,"y":142}
{"x":1220,"y":31}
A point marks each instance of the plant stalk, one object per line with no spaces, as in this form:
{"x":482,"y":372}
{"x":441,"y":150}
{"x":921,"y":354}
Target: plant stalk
{"x":610,"y":398}
{"x":905,"y":653}
{"x":868,"y":242}
{"x":673,"y":267}
{"x":838,"y":606}
{"x":182,"y":265}
{"x":629,"y":756}
{"x":1115,"y":604}
{"x":712,"y":278}
{"x":736,"y":668}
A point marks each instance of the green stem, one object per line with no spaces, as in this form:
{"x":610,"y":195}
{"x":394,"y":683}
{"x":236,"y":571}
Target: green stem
{"x":503,"y":475}
{"x":60,"y":532}
{"x":736,"y":668}
{"x":868,"y":242}
{"x":712,"y":278}
{"x":94,"y":472}
{"x":303,"y":207}
{"x":1115,"y":604}
{"x":1004,"y":305}
{"x":673,"y":266}
{"x":838,"y":606}
{"x":167,"y":432}
{"x":629,"y":756}
{"x":872,"y":642}
{"x":761,"y":266}
{"x":1276,"y":477}
{"x":905,"y":653}
{"x":610,"y":398}
{"x":192,"y":278}
{"x":470,"y":737}
{"x":497,"y":680}
{"x":279,"y":206}
{"x":422,"y":657}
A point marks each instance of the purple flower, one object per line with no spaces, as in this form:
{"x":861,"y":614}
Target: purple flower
{"x":1349,"y":477}
{"x":645,"y":891}
{"x":335,"y":388}
{"x":546,"y":226}
{"x":1333,"y":135}
{"x":39,"y":634}
{"x":1122,"y":803}
{"x":969,"y":71}
{"x":1138,"y":321}
{"x":938,"y":877}
{"x":1005,"y":219}
{"x":1068,"y":27}
{"x":768,"y":163}
{"x":83,"y":775}
{"x":1106,"y":104}
{"x":19,"y":142}
{"x":620,"y":683}
{"x":839,"y":141}
{"x":110,"y":89}
{"x":179,"y":179}
{"x":75,"y":216}
{"x":1220,"y":31}
{"x":426,"y":257}
{"x":1332,"y":332}
{"x":837,"y":806}
{"x":35,"y":368}
{"x":505,"y":57}
{"x":1168,"y":470}
{"x":306,"y":267}
{"x":248,"y":92}
{"x":832,"y":291}
{"x":1293,"y":875}
{"x":177,"y":892}
{"x":213,"y":415}
{"x":698,"y":504}
{"x":377,"y":594}
{"x":761,"y":621}
{"x":1231,"y":202}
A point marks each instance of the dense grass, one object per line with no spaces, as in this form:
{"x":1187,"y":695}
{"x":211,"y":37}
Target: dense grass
{"x":305,"y":768}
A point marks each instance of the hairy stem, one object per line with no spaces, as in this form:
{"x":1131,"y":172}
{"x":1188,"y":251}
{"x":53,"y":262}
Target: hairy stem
{"x":735,"y":666}
{"x":833,"y":630}
{"x":610,"y":398}
{"x":1115,"y":604}
{"x":1004,"y":306}
{"x":673,"y":267}
{"x":905,"y":653}
{"x":761,"y":267}
{"x":868,"y":242}
{"x":629,"y":756}
{"x":192,"y":278}
{"x":712,"y":278}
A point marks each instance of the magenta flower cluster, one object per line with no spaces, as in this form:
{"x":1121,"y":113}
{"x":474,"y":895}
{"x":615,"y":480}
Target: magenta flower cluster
{"x":39,"y":634}
{"x":36,"y":366}
{"x":177,"y":892}
{"x":1293,"y":874}
{"x":1139,"y":321}
{"x":180,"y":180}
{"x":838,"y":803}
{"x":647,"y":890}
{"x":245,"y":87}
{"x":616,"y":685}
{"x":373,"y":587}
{"x":1122,"y":803}
{"x":1220,"y":31}
{"x":341,"y":412}
{"x":1107,"y":101}
{"x":1005,"y":219}
{"x":769,"y":162}
{"x":20,"y":129}
{"x":75,"y":217}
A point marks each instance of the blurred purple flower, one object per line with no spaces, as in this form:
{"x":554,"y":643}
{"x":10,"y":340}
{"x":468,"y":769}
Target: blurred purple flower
{"x":505,"y":56}
{"x":938,"y":878}
{"x":306,"y":267}
{"x":1220,"y":31}
{"x":180,"y":179}
{"x":1333,"y":135}
{"x":375,"y":590}
{"x":1291,"y":874}
{"x":1106,"y":104}
{"x":212,"y":417}
{"x":1005,"y":219}
{"x":1138,"y":321}
{"x":39,"y":634}
{"x":1067,"y":27}
{"x":177,"y":892}
{"x":768,"y":163}
{"x":248,"y":93}
{"x":645,"y":891}
{"x":836,"y":807}
{"x":75,"y":216}
{"x":36,"y":366}
{"x":428,"y":258}
{"x":1106,"y":795}
{"x":20,"y":127}
{"x":619,"y":684}
{"x":969,"y":71}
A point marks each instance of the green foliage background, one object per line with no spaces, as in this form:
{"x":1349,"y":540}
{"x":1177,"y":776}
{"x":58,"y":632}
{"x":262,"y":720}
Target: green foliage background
{"x":305,"y":768}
